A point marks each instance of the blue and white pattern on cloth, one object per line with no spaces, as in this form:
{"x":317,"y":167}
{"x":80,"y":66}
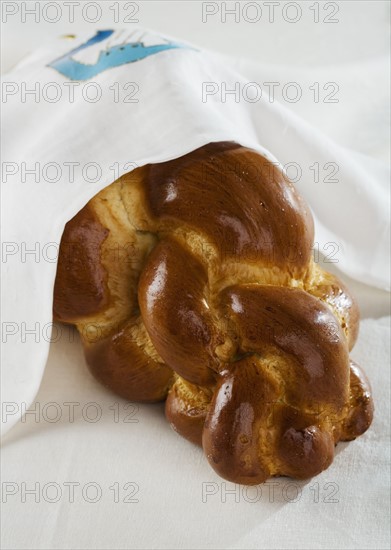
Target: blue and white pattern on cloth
{"x":110,"y":57}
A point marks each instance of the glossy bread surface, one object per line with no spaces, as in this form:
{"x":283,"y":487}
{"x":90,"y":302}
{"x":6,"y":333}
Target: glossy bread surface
{"x":193,"y":281}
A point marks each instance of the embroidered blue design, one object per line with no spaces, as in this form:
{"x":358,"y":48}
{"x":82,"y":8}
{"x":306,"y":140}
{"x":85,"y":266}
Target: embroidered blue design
{"x":109,"y":58}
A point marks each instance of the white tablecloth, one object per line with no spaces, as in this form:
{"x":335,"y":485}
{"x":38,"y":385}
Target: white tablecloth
{"x":176,"y":500}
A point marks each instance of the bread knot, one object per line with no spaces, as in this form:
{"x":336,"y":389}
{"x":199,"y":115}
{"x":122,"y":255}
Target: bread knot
{"x":198,"y":276}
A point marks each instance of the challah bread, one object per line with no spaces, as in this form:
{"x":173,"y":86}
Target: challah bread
{"x":193,"y":280}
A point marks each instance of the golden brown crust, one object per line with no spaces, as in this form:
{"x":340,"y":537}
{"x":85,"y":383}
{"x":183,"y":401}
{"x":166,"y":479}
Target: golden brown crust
{"x":186,"y":409}
{"x":176,"y":314}
{"x":361,"y":409}
{"x":306,"y":451}
{"x":242,"y":402}
{"x":335,"y":294}
{"x":109,"y":255}
{"x":241,"y":201}
{"x":120,"y":363}
{"x":302,"y":328}
{"x":81,"y":281}
{"x":193,"y":278}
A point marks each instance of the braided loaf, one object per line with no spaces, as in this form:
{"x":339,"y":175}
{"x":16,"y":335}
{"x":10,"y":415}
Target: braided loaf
{"x":193,"y":280}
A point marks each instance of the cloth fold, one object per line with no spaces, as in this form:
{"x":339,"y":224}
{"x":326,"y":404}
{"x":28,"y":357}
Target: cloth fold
{"x":151,"y":99}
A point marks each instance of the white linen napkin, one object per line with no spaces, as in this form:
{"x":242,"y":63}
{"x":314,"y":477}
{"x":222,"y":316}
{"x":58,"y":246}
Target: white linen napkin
{"x":158,"y":100}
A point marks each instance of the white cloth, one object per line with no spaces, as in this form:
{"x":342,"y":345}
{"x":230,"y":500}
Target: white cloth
{"x":182,"y":503}
{"x":169,"y":120}
{"x":172,"y":116}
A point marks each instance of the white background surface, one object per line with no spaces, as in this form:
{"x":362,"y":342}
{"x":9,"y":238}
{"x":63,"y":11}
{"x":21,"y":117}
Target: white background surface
{"x":171,"y":511}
